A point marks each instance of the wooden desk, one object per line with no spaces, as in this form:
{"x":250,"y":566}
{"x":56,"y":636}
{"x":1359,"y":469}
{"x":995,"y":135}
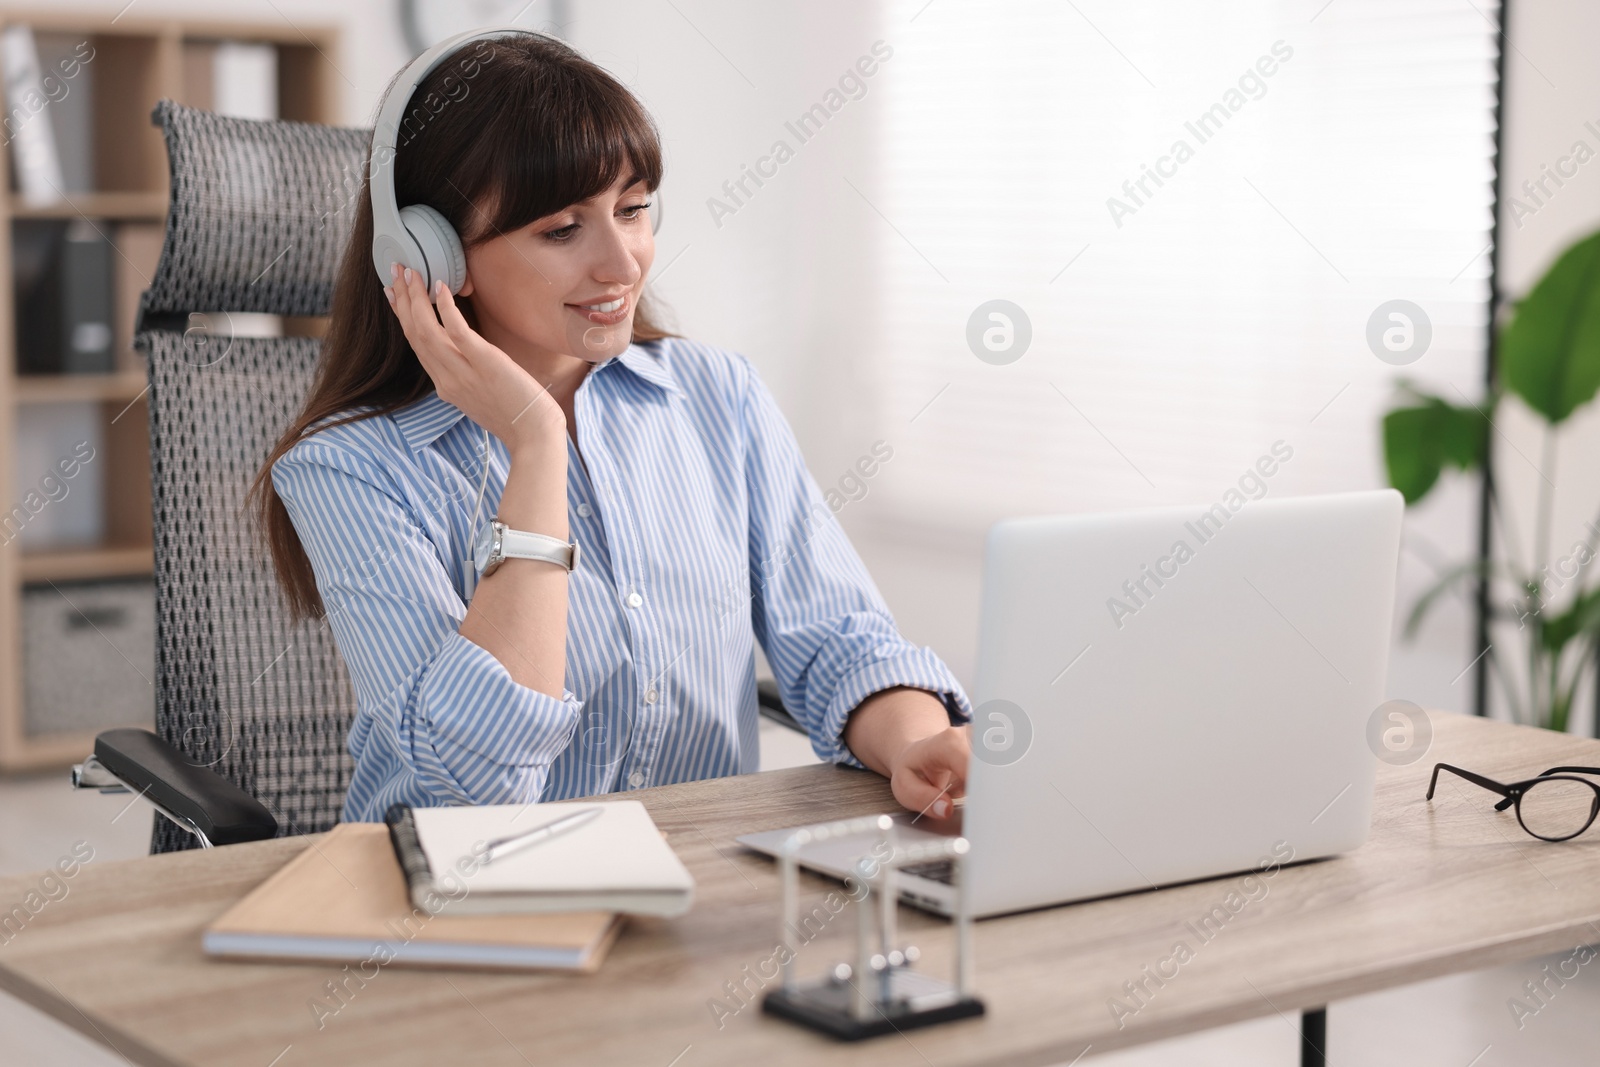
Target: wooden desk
{"x":1439,"y":888}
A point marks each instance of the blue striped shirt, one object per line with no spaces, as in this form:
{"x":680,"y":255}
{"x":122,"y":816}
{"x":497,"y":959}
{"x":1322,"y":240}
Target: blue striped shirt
{"x":701,"y":532}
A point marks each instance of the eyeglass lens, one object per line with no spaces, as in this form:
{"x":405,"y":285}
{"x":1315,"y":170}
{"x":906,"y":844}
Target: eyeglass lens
{"x":1558,"y":808}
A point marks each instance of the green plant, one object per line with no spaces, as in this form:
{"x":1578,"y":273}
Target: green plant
{"x":1549,"y":357}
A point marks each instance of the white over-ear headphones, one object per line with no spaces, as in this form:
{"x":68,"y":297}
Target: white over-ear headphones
{"x":418,"y":236}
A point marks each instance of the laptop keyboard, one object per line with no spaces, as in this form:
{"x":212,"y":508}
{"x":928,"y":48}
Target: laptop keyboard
{"x":942,"y":871}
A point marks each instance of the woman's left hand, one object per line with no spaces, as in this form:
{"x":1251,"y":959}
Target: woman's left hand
{"x":905,"y":735}
{"x":930,"y":773}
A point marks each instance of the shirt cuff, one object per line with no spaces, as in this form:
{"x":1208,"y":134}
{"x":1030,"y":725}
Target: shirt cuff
{"x":478,"y":715}
{"x":920,"y":668}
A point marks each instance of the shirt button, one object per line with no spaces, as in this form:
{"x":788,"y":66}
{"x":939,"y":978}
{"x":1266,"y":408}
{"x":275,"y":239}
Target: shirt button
{"x":650,"y":695}
{"x":634,"y":600}
{"x":636,"y":779}
{"x":584,"y":510}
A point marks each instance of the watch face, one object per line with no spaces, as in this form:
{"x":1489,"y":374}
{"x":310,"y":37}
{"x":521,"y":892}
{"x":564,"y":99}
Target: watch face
{"x":480,"y":548}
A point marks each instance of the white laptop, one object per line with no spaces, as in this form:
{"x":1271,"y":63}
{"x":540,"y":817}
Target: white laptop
{"x":1163,"y":696}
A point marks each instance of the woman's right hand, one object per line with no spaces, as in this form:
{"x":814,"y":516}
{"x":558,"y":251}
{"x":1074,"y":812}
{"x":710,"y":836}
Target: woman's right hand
{"x":469,"y":372}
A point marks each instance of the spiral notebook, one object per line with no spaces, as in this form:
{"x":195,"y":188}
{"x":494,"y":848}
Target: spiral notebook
{"x":344,"y":899}
{"x":617,"y":862}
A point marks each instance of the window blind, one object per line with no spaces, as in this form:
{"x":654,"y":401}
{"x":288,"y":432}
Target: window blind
{"x":1199,"y":209}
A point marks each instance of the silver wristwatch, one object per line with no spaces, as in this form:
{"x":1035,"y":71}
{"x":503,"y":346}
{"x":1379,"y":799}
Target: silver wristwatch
{"x":497,"y":543}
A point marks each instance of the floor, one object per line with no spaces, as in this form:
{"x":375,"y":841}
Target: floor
{"x":1463,"y":1021}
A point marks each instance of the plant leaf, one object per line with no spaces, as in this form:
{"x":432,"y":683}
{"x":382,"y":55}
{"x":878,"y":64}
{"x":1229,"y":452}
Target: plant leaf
{"x":1443,"y":584}
{"x":1583,"y":617}
{"x":1550,"y":351}
{"x":1419,"y":441}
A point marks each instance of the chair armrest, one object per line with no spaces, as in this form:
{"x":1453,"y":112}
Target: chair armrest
{"x":771,"y":705}
{"x":223,"y":812}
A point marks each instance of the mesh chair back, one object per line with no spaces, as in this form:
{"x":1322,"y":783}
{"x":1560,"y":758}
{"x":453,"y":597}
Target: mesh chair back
{"x":259,"y":216}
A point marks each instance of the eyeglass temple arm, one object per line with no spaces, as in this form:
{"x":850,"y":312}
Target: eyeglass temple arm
{"x":1506,"y":803}
{"x":1477,"y":779}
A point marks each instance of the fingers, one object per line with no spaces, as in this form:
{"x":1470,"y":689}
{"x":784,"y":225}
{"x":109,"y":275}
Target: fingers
{"x":914,"y":792}
{"x":409,"y":298}
{"x":924,"y":790}
{"x":485,"y":358}
{"x":957,"y":751}
{"x":400,"y":298}
{"x":933,"y":775}
{"x":455,"y":325}
{"x":399,"y":294}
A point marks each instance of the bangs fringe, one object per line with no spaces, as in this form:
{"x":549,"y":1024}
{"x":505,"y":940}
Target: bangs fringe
{"x":561,"y":135}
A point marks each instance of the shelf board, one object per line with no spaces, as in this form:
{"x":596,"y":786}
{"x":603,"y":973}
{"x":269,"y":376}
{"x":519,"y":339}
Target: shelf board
{"x":64,"y":388}
{"x":131,"y":206}
{"x":49,"y":752}
{"x":71,"y":564}
{"x":300,"y":33}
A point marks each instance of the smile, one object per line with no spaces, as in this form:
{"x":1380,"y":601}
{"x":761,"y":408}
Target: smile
{"x":607,"y":314}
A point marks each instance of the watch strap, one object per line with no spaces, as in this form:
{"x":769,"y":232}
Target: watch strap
{"x":521,"y":544}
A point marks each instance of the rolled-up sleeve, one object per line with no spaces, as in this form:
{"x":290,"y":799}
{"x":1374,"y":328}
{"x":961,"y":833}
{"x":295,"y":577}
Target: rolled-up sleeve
{"x":825,"y":628}
{"x":439,"y":718}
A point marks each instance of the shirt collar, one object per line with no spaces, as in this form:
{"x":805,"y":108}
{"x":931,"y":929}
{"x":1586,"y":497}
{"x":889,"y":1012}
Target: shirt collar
{"x":424,"y":421}
{"x":647,"y":365}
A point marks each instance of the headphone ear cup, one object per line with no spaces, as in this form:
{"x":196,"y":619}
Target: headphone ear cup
{"x":441,"y":246}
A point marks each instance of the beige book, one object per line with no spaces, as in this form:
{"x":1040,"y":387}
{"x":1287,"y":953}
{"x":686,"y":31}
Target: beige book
{"x":344,"y":899}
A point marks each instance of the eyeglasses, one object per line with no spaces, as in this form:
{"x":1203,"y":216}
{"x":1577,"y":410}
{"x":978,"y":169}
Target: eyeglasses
{"x":1555,"y":806}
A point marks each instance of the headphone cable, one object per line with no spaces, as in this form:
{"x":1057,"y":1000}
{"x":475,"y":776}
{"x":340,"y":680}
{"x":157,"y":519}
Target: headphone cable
{"x":472,"y":529}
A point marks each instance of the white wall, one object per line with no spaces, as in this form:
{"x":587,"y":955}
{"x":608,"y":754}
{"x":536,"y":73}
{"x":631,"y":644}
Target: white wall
{"x":788,"y":279}
{"x":785,"y":278}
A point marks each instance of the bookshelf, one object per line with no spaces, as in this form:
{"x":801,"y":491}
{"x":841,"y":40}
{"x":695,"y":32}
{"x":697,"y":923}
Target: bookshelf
{"x":122,"y":192}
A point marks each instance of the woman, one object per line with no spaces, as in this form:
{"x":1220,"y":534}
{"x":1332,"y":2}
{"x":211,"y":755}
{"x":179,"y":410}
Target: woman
{"x":543,"y":394}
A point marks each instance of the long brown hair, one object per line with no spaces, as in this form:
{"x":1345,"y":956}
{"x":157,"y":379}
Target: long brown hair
{"x":538,"y":128}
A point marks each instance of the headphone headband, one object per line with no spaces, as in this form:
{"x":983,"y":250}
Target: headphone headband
{"x":418,"y":236}
{"x":392,"y":242}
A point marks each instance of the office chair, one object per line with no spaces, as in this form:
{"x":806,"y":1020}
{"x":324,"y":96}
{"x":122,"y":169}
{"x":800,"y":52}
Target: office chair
{"x":252,"y":711}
